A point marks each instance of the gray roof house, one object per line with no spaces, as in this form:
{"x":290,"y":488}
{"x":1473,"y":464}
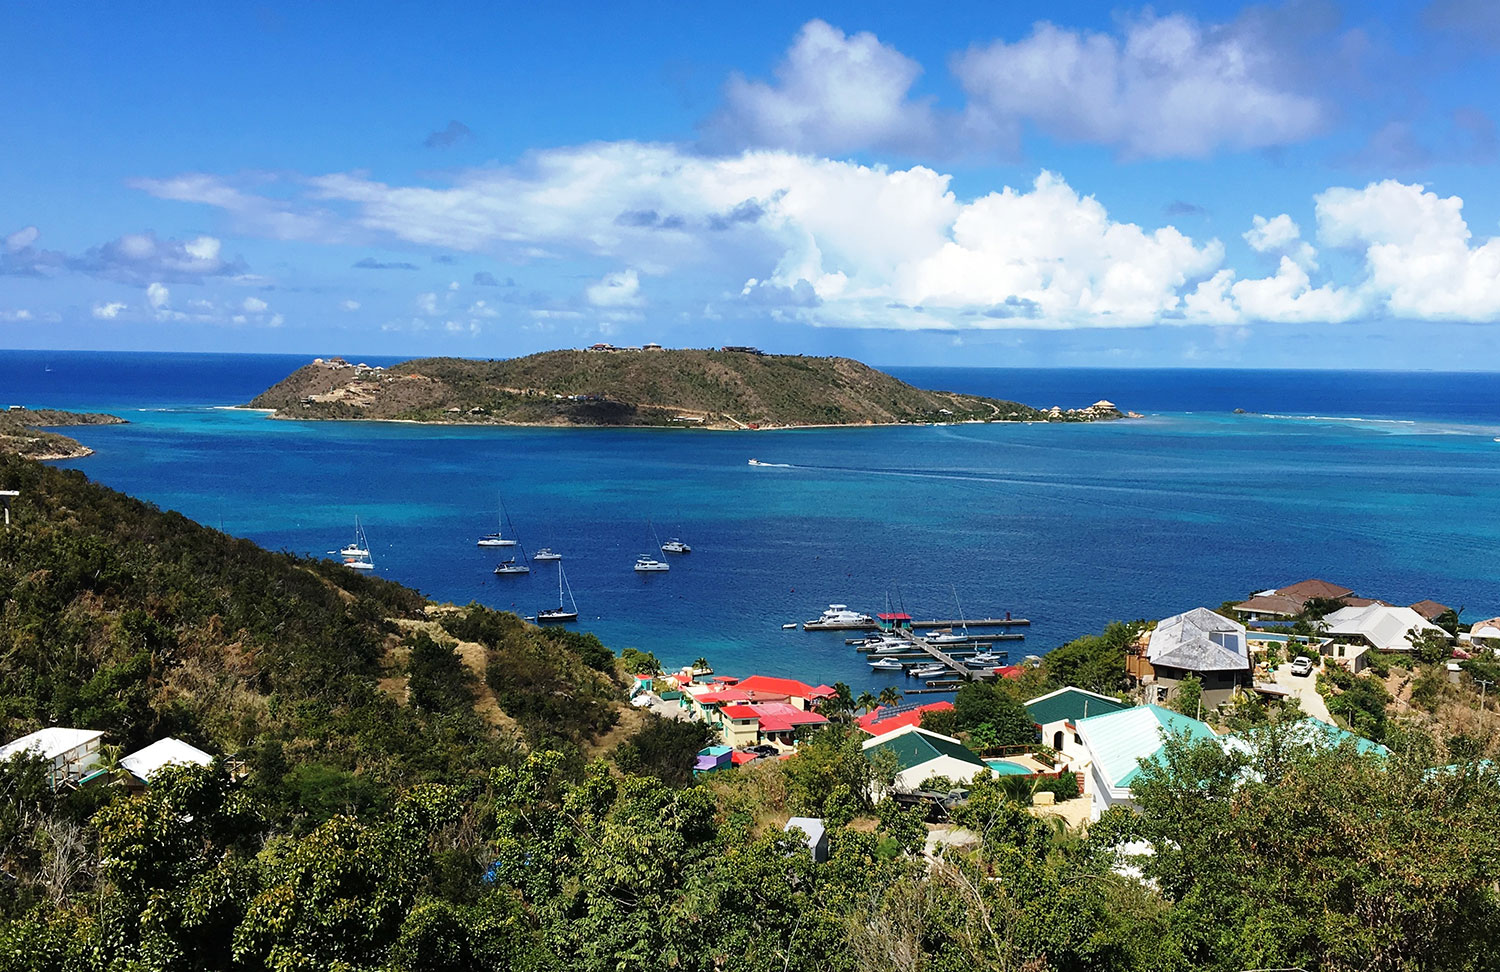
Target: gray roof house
{"x":1203,"y":644}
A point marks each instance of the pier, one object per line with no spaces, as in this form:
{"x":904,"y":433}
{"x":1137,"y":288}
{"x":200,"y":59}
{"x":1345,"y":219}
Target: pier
{"x":923,"y":652}
{"x":871,"y":625}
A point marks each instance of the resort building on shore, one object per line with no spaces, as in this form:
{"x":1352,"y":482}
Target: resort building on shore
{"x":1198,"y":644}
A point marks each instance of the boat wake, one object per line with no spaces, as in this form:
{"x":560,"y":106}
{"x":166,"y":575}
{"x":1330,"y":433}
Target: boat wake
{"x":772,"y":465}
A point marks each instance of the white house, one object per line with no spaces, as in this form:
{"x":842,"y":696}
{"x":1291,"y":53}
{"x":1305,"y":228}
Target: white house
{"x":71,"y":752}
{"x":145,"y":763}
{"x":1379,"y":625}
{"x":1112,"y":746}
{"x":922,"y":754}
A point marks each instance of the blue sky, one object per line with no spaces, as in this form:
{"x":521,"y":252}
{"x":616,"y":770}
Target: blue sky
{"x":1285,"y":185}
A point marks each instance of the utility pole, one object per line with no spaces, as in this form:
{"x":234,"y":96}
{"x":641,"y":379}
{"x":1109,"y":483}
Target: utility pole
{"x":5,"y":497}
{"x":1484,"y":683}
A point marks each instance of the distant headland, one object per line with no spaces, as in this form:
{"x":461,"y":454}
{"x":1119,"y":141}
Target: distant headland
{"x":23,"y":432}
{"x":727,"y":388}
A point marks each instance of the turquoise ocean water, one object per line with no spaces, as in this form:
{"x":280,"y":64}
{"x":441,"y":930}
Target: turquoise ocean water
{"x":1388,"y":483}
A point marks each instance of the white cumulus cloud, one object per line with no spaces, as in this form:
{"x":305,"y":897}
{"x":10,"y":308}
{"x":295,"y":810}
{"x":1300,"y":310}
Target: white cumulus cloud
{"x":620,"y":289}
{"x":1170,"y":87}
{"x":158,"y":296}
{"x":833,"y":93}
{"x":1281,"y":235}
{"x":1417,"y":250}
{"x":253,"y":305}
{"x":349,"y":305}
{"x":108,"y":311}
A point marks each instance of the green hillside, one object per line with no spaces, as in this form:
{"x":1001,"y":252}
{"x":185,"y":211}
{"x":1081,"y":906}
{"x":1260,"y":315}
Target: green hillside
{"x":718,"y":389}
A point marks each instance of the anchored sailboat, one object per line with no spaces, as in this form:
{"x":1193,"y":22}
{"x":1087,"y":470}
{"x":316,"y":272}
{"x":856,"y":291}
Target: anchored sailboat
{"x":498,"y":538}
{"x":356,"y":553}
{"x":560,"y":613}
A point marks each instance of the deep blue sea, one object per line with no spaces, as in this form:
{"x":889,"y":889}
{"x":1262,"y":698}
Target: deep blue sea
{"x":1386,"y":482}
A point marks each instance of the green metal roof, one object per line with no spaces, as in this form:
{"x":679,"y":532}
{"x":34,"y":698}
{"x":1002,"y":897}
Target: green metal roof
{"x":1070,"y":704}
{"x":1122,"y":740}
{"x":915,"y":748}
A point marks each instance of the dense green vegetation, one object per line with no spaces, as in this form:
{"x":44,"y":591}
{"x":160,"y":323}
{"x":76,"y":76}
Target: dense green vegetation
{"x":410,"y":789}
{"x":723,"y":389}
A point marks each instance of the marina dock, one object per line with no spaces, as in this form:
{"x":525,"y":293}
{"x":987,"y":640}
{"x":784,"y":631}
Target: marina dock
{"x":871,"y":625}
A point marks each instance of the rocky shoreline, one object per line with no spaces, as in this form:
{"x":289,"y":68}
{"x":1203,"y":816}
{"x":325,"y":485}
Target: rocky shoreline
{"x":24,"y":432}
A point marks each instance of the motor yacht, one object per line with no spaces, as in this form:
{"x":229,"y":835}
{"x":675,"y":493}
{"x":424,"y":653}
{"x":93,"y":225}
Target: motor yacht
{"x":645,"y":564}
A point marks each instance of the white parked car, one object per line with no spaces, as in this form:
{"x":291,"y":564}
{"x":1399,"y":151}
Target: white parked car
{"x":1302,"y":665}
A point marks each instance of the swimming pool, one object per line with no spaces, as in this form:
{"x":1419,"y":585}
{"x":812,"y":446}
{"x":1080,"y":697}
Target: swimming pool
{"x":1004,"y":767}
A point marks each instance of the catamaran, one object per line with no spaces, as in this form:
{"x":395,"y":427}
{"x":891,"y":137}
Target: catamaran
{"x":644,"y":563}
{"x":560,"y":613}
{"x":673,"y":545}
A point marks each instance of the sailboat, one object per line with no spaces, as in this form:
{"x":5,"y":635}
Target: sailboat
{"x":356,"y":554}
{"x":951,"y":637}
{"x":510,"y":566}
{"x":560,"y":613}
{"x":498,"y":538}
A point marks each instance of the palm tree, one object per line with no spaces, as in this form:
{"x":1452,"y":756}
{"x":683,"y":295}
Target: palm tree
{"x":890,"y":695}
{"x":866,"y":701}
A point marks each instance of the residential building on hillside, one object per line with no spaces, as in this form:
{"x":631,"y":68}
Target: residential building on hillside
{"x":887,"y":718}
{"x":1111,"y":747}
{"x":1057,"y":713}
{"x":1196,"y":643}
{"x":1312,"y":733}
{"x":144,"y":764}
{"x":1379,"y":626}
{"x":1286,"y":603}
{"x":921,"y":754}
{"x":69,"y":753}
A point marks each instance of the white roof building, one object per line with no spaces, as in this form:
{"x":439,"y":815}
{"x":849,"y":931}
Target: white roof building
{"x":1486,"y":629}
{"x":70,"y":751}
{"x":1199,"y":641}
{"x":145,"y":763}
{"x":1384,"y":627}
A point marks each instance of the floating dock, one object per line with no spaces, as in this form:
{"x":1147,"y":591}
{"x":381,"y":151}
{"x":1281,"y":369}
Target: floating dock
{"x":954,"y":623}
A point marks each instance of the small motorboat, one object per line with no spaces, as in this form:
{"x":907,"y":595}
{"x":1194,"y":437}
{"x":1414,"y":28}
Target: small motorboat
{"x":928,"y":671}
{"x":646,"y":564}
{"x":359,"y":563}
{"x":886,"y":665}
{"x":789,"y":626}
{"x":546,"y":553}
{"x":511,"y":567}
{"x":983,"y":660}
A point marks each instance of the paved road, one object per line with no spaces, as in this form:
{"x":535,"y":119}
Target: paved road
{"x":1305,"y":688}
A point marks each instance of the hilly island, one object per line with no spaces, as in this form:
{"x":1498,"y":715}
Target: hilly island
{"x":723,"y":389}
